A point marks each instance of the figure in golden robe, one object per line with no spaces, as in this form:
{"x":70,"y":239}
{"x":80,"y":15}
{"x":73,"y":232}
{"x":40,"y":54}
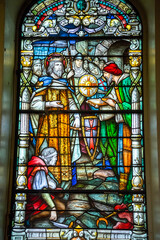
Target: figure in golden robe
{"x":55,"y":98}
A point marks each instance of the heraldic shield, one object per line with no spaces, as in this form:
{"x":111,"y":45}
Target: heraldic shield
{"x":90,"y":131}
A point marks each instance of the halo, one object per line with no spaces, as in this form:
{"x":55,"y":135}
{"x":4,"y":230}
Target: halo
{"x":53,"y":56}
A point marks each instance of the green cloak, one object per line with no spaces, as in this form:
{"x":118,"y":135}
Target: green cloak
{"x":109,"y":128}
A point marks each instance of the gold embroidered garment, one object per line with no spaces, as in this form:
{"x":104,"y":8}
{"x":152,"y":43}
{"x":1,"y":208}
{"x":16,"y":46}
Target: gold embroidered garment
{"x":55,"y":128}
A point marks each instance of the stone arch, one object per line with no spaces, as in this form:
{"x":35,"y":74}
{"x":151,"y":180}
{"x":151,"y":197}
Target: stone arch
{"x":122,"y":51}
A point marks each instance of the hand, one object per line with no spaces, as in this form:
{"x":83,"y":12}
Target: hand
{"x":70,"y":74}
{"x":110,"y":102}
{"x":54,"y":104}
{"x":53,"y":216}
{"x":39,"y":84}
{"x":76,"y":123}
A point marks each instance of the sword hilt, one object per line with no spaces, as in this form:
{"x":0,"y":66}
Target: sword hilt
{"x":77,"y":129}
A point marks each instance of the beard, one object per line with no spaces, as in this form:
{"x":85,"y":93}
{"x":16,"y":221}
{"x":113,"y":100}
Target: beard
{"x":38,"y":73}
{"x":109,"y":80}
{"x":58,"y":73}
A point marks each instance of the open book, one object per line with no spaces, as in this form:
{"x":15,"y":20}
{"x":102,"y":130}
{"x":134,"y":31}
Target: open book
{"x":97,"y":102}
{"x":102,"y":105}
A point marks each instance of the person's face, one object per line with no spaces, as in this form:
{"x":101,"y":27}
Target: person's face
{"x":86,"y":64}
{"x":95,"y":71}
{"x":106,"y":75}
{"x":76,"y":22}
{"x":86,"y":22}
{"x":78,"y":63}
{"x":58,"y":66}
{"x":109,"y":77}
{"x":101,"y":65}
{"x":37,"y":69}
{"x":48,"y":23}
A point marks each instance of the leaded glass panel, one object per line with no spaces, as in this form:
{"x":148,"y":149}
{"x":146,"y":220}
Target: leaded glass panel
{"x":79,"y":171}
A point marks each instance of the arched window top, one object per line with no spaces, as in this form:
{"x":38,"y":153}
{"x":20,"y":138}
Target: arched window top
{"x":51,"y":18}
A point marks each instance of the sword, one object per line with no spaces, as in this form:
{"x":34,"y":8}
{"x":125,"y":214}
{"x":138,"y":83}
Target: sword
{"x":59,"y":225}
{"x":70,"y":58}
{"x":74,"y":128}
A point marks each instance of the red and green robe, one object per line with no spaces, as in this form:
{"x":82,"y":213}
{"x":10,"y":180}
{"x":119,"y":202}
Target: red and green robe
{"x":110,"y":130}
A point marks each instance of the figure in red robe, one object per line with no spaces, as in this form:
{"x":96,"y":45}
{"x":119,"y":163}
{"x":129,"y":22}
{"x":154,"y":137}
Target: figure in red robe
{"x":40,"y":178}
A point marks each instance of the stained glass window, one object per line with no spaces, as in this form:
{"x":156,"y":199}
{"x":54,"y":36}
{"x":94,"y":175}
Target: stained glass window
{"x":79,"y":171}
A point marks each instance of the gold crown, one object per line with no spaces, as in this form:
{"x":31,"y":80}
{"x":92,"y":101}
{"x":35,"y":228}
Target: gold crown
{"x":27,"y":58}
{"x":135,"y":58}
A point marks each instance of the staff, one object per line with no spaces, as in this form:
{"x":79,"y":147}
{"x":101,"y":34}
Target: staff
{"x":70,"y":58}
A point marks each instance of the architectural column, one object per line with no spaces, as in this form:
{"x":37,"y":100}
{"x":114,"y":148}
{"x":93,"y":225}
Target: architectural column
{"x":138,"y":200}
{"x":25,"y":94}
